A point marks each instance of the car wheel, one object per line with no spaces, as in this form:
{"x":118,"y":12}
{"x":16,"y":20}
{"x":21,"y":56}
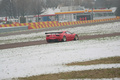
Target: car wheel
{"x":76,"y":37}
{"x":48,"y":41}
{"x":64,"y":39}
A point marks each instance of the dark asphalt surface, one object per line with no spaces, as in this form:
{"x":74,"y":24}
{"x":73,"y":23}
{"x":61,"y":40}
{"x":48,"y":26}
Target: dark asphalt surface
{"x":22,"y":44}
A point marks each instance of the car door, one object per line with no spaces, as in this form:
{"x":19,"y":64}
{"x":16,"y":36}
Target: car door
{"x":68,"y":36}
{"x":72,"y":36}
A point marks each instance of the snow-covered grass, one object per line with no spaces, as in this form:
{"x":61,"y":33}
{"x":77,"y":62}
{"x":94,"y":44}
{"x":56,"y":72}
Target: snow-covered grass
{"x":81,"y":31}
{"x":50,"y":58}
{"x":22,"y":38}
{"x":94,"y":79}
{"x":97,"y":29}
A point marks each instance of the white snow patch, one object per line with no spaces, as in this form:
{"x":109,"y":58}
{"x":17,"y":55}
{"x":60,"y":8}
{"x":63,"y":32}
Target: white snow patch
{"x":81,"y":31}
{"x":94,"y":79}
{"x":48,"y":58}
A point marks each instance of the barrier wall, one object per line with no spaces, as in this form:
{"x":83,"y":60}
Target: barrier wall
{"x":11,"y":29}
{"x":28,"y":24}
{"x":47,"y":24}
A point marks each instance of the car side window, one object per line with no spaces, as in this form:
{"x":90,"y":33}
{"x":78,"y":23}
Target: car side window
{"x":68,"y":32}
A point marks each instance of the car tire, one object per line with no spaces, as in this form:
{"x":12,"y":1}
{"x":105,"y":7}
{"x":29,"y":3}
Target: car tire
{"x":76,"y":37}
{"x":48,"y":41}
{"x":64,"y":39}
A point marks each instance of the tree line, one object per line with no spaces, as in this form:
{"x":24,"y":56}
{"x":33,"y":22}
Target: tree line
{"x":16,"y":8}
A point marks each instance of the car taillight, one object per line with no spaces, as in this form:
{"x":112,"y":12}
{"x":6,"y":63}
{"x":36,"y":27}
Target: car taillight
{"x":57,"y":35}
{"x":48,"y":35}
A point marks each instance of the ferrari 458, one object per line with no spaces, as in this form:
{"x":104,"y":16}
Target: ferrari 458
{"x":61,"y":36}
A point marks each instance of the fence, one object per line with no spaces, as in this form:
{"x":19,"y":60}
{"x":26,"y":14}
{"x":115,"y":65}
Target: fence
{"x":47,"y":24}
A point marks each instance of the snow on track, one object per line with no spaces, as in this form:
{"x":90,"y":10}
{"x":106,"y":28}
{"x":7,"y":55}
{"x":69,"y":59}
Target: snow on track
{"x":50,"y":58}
{"x":81,"y":31}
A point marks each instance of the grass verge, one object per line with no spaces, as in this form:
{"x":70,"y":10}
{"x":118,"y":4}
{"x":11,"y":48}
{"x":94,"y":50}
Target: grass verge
{"x":97,"y":73}
{"x":109,"y":60}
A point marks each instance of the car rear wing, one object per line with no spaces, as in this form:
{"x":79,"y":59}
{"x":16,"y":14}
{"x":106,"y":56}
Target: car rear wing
{"x":53,"y":32}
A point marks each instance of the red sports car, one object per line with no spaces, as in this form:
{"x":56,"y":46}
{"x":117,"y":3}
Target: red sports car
{"x":61,"y":36}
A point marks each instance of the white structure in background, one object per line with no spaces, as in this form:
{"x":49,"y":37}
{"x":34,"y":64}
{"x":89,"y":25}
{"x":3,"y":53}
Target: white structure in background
{"x":76,"y":13}
{"x":106,"y":13}
{"x":70,"y":13}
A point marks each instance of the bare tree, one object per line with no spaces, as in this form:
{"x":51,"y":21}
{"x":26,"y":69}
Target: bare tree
{"x":14,"y":8}
{"x":116,"y":4}
{"x":53,"y":3}
{"x":6,"y":10}
{"x":22,"y":6}
{"x":37,"y":8}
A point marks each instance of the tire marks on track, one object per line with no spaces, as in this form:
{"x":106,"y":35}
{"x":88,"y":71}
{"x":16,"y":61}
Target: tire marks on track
{"x":23,"y":44}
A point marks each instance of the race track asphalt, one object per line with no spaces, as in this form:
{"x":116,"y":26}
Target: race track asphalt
{"x":22,"y":44}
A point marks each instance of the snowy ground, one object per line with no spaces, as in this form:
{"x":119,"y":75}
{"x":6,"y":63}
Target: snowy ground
{"x":94,"y":79}
{"x":50,"y":58}
{"x":81,"y":31}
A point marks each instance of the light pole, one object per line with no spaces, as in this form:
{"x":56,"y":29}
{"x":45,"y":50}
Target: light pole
{"x":10,"y":9}
{"x":93,"y":3}
{"x":82,"y":3}
{"x":108,"y":3}
{"x":72,"y":2}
